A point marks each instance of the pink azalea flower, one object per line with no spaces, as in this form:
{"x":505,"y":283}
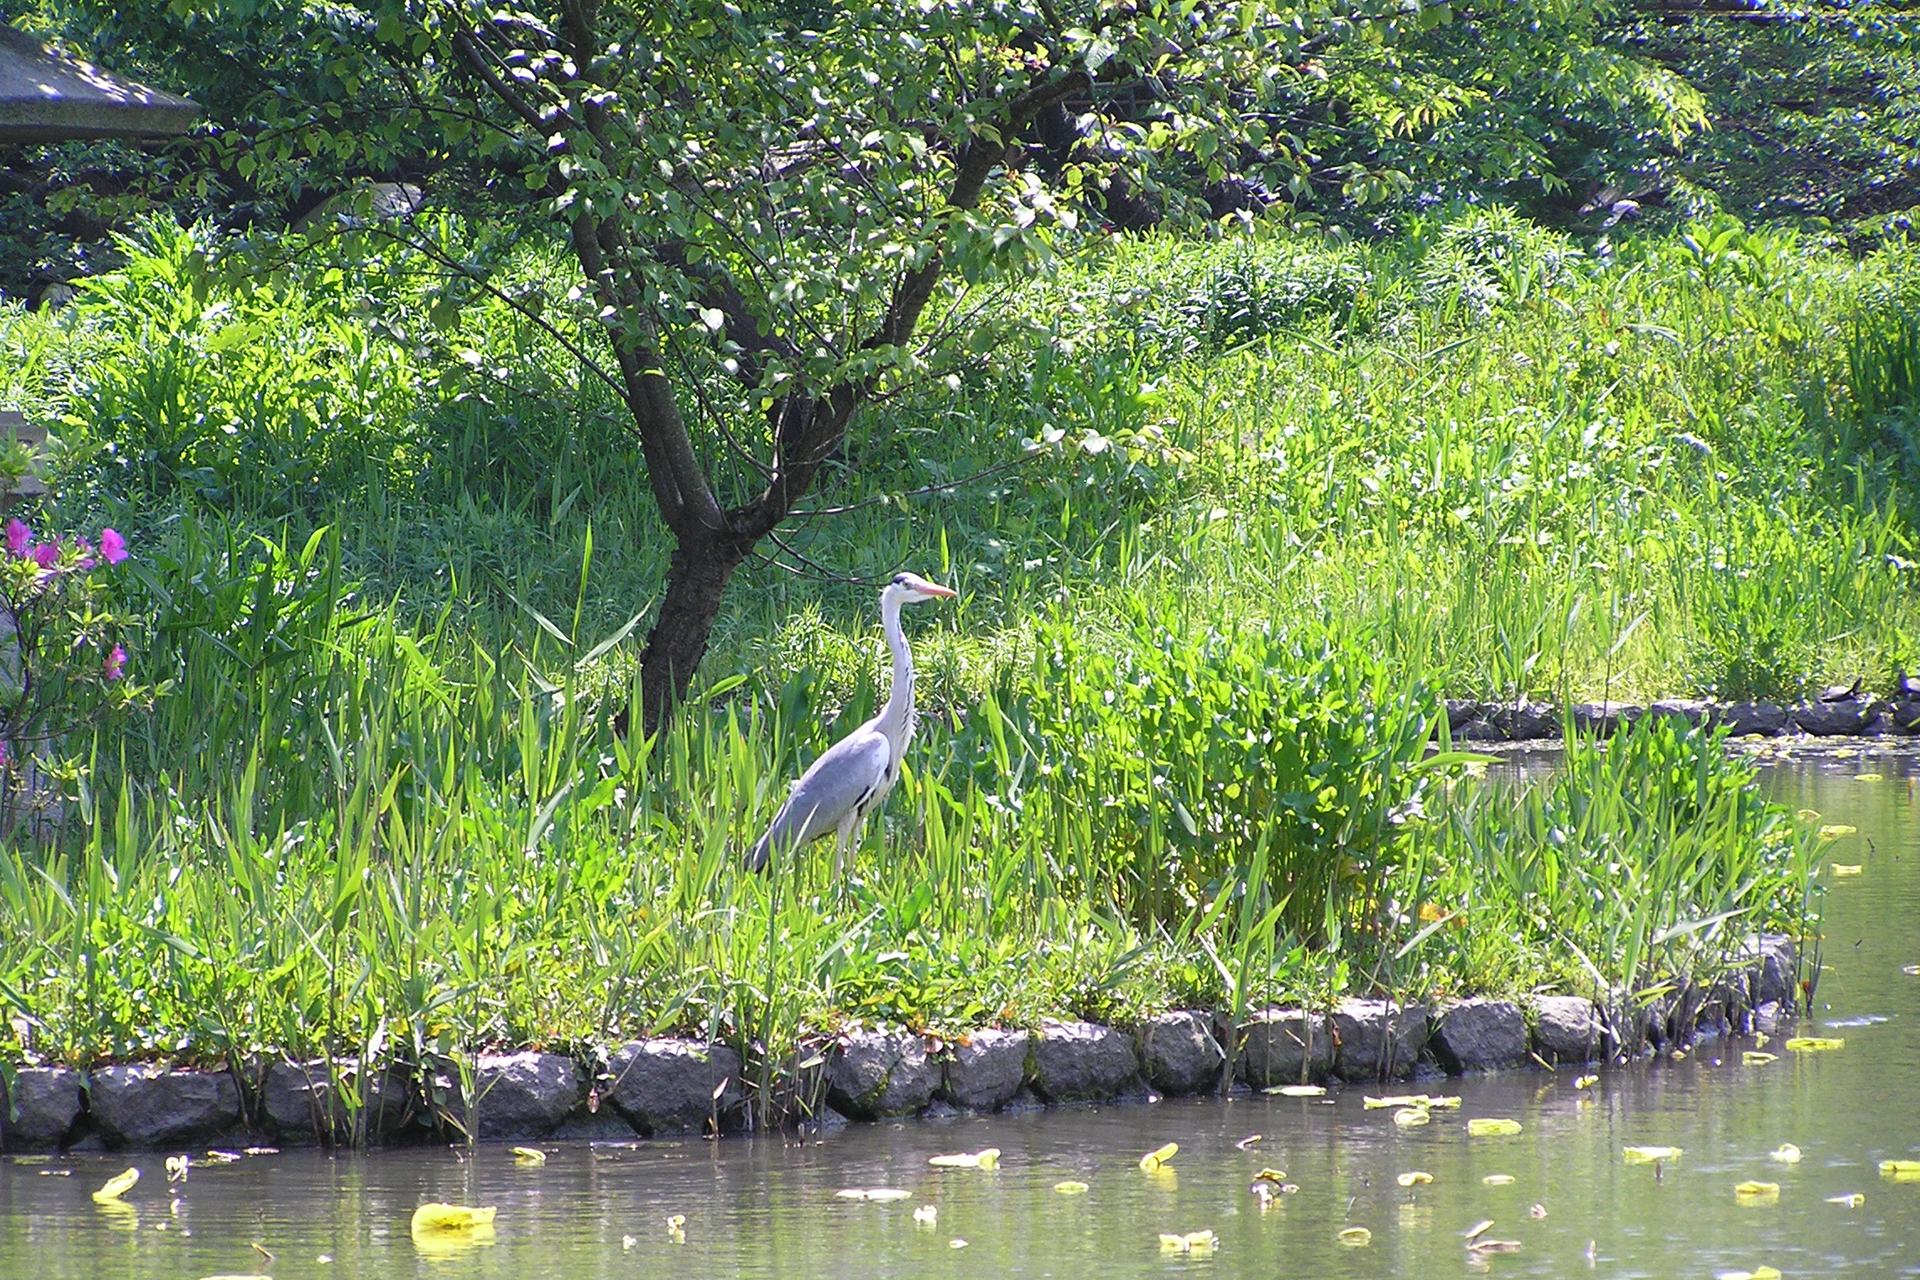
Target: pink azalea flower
{"x":45,"y":554}
{"x":113,"y":547}
{"x":116,"y":663}
{"x":19,"y":538}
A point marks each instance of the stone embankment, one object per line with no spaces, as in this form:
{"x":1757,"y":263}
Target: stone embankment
{"x":1844,"y":713}
{"x":659,"y":1087}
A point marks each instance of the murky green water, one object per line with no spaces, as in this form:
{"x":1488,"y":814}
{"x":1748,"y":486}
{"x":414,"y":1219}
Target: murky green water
{"x":767,"y":1208}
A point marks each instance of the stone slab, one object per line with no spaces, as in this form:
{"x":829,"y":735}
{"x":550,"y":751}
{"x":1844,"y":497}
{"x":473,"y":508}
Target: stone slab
{"x":145,"y":1106}
{"x":1480,"y":1035}
{"x":1179,"y":1053}
{"x":1082,"y":1062}
{"x":1377,"y":1039}
{"x":674,"y":1086}
{"x":1284,"y":1046}
{"x":986,"y":1069}
{"x":871,"y":1074}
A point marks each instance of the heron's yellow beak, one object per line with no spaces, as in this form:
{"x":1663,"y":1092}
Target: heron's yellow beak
{"x":934,"y":589}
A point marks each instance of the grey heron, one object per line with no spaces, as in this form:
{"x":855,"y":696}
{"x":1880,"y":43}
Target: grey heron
{"x":852,"y":777}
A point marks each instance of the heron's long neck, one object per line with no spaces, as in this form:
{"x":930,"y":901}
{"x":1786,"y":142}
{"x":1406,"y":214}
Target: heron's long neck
{"x":897,"y":719}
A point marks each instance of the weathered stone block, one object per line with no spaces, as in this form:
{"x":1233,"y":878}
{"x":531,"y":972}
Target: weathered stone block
{"x":987,"y":1069}
{"x":46,"y":1102}
{"x":1566,"y":1029}
{"x":1284,"y":1046}
{"x":1461,"y":712}
{"x":1772,"y":961}
{"x":1603,"y":719}
{"x":301,"y":1103}
{"x":1480,"y":1035}
{"x":1180,"y":1054}
{"x":1747,"y":718}
{"x":881,"y":1073}
{"x":1834,"y":719}
{"x":1524,"y":721}
{"x":1377,"y":1039}
{"x":150,"y":1106}
{"x":673,"y":1086}
{"x":1692,"y":711}
{"x":521,"y":1095}
{"x":1082,"y":1062}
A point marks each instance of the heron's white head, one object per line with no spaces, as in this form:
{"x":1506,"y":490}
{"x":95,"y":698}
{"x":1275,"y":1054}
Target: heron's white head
{"x":911,"y":588}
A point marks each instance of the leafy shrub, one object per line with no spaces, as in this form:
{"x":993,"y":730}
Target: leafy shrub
{"x":1262,"y":289}
{"x":1233,"y":759}
{"x":1490,"y":257}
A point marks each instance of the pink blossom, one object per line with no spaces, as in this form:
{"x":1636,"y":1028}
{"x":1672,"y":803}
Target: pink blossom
{"x":113,"y":547}
{"x":45,"y":554}
{"x":116,"y":663}
{"x":19,"y":538}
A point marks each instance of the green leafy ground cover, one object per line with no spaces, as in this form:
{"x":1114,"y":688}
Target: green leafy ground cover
{"x":1280,"y":495}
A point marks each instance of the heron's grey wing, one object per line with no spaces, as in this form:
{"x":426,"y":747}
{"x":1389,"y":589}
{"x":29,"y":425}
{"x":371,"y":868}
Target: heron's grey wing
{"x":842,"y":778}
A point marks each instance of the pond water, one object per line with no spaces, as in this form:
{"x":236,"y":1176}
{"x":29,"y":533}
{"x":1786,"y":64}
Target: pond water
{"x":768,"y":1208}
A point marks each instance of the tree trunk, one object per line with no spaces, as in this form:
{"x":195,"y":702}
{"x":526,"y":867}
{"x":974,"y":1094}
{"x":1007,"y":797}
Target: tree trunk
{"x":696,"y":583}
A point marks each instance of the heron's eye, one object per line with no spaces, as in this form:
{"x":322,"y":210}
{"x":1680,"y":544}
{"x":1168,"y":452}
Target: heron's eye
{"x":899,"y":579}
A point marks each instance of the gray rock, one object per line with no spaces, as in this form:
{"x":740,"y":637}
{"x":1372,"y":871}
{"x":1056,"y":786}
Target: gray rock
{"x":1745,"y":718}
{"x":151,"y":1106}
{"x":1602,"y":719}
{"x":871,"y":1074}
{"x":1769,"y":1018}
{"x":1566,"y":1028}
{"x":1180,"y":1054}
{"x":1461,"y":712}
{"x":45,"y":1102}
{"x":1773,"y":961}
{"x":1524,"y":721}
{"x":582,"y":1125}
{"x":670,"y":1086}
{"x":300,"y":1102}
{"x":1480,"y":1035}
{"x":1082,"y":1062}
{"x":1834,"y":719}
{"x":522,"y":1095}
{"x":987,"y":1068}
{"x":1284,"y":1046}
{"x":1377,"y":1039}
{"x":1480,"y":731}
{"x":1903,"y":717}
{"x":1693,"y":711}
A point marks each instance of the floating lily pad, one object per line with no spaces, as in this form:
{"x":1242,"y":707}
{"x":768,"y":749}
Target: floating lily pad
{"x":1651,"y":1155}
{"x":1852,"y":1200}
{"x":1156,"y":1159}
{"x":1757,"y":1058}
{"x":1497,"y":1180}
{"x":1757,"y":1192}
{"x":1846,"y":869}
{"x":988,"y":1159}
{"x":1412,"y":1116}
{"x":1354,"y":1237}
{"x":1417,"y":1177}
{"x":1492,"y":1127}
{"x":529,"y":1155}
{"x":1815,"y":1044}
{"x":1070,"y":1188}
{"x":118,"y":1185}
{"x":1191,"y":1242}
{"x":1586,"y":1082}
{"x":437,"y":1217}
{"x":1297,"y":1090}
{"x":1785,"y":1153}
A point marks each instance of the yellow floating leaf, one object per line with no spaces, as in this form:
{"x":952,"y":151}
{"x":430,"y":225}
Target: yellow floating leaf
{"x":988,"y":1159}
{"x":1191,"y":1242}
{"x":1412,"y":1116}
{"x":1537,"y":1211}
{"x":1155,"y":1159}
{"x":1354,"y":1237}
{"x":1497,"y":1180}
{"x":1809,"y":815}
{"x":450,"y":1217}
{"x":1911,"y":970}
{"x":1495,"y":1246}
{"x":1852,"y":1200}
{"x":1852,"y":869}
{"x":1492,"y":1127}
{"x":1899,"y":1168}
{"x":1785,"y":1153}
{"x":1270,"y":1175}
{"x":529,"y":1155}
{"x":1866,"y":777}
{"x":1586,"y":1082}
{"x":1834,"y":830}
{"x":926,"y":1215}
{"x":1757,"y":1192}
{"x":1416,"y":1178}
{"x":224,"y":1157}
{"x":1651,"y":1155}
{"x":177,"y":1167}
{"x":1758,"y":1273}
{"x":956,"y":1243}
{"x":1815,"y":1044}
{"x":1755,"y":1058}
{"x":1396,"y":1100}
{"x":1297,"y":1090}
{"x":677,"y":1228}
{"x":1478,"y":1229}
{"x":1070,"y":1188}
{"x":1442,"y":1104}
{"x":118,"y":1185}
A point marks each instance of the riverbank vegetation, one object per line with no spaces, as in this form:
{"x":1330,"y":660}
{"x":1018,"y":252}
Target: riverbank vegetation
{"x":1232,"y":504}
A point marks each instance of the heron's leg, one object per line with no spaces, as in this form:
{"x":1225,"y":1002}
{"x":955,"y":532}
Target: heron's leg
{"x":844,"y":838}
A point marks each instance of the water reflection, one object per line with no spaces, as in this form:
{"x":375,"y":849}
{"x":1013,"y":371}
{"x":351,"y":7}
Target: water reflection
{"x":1560,"y":1188}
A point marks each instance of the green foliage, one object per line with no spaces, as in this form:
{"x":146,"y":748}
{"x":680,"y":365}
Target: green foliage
{"x":1637,"y":864}
{"x":1197,"y":753}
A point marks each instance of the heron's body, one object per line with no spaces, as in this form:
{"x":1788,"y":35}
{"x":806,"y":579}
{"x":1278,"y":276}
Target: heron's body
{"x":852,"y":777}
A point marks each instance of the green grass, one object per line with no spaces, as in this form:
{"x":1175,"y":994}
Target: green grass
{"x":1286,"y":496}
